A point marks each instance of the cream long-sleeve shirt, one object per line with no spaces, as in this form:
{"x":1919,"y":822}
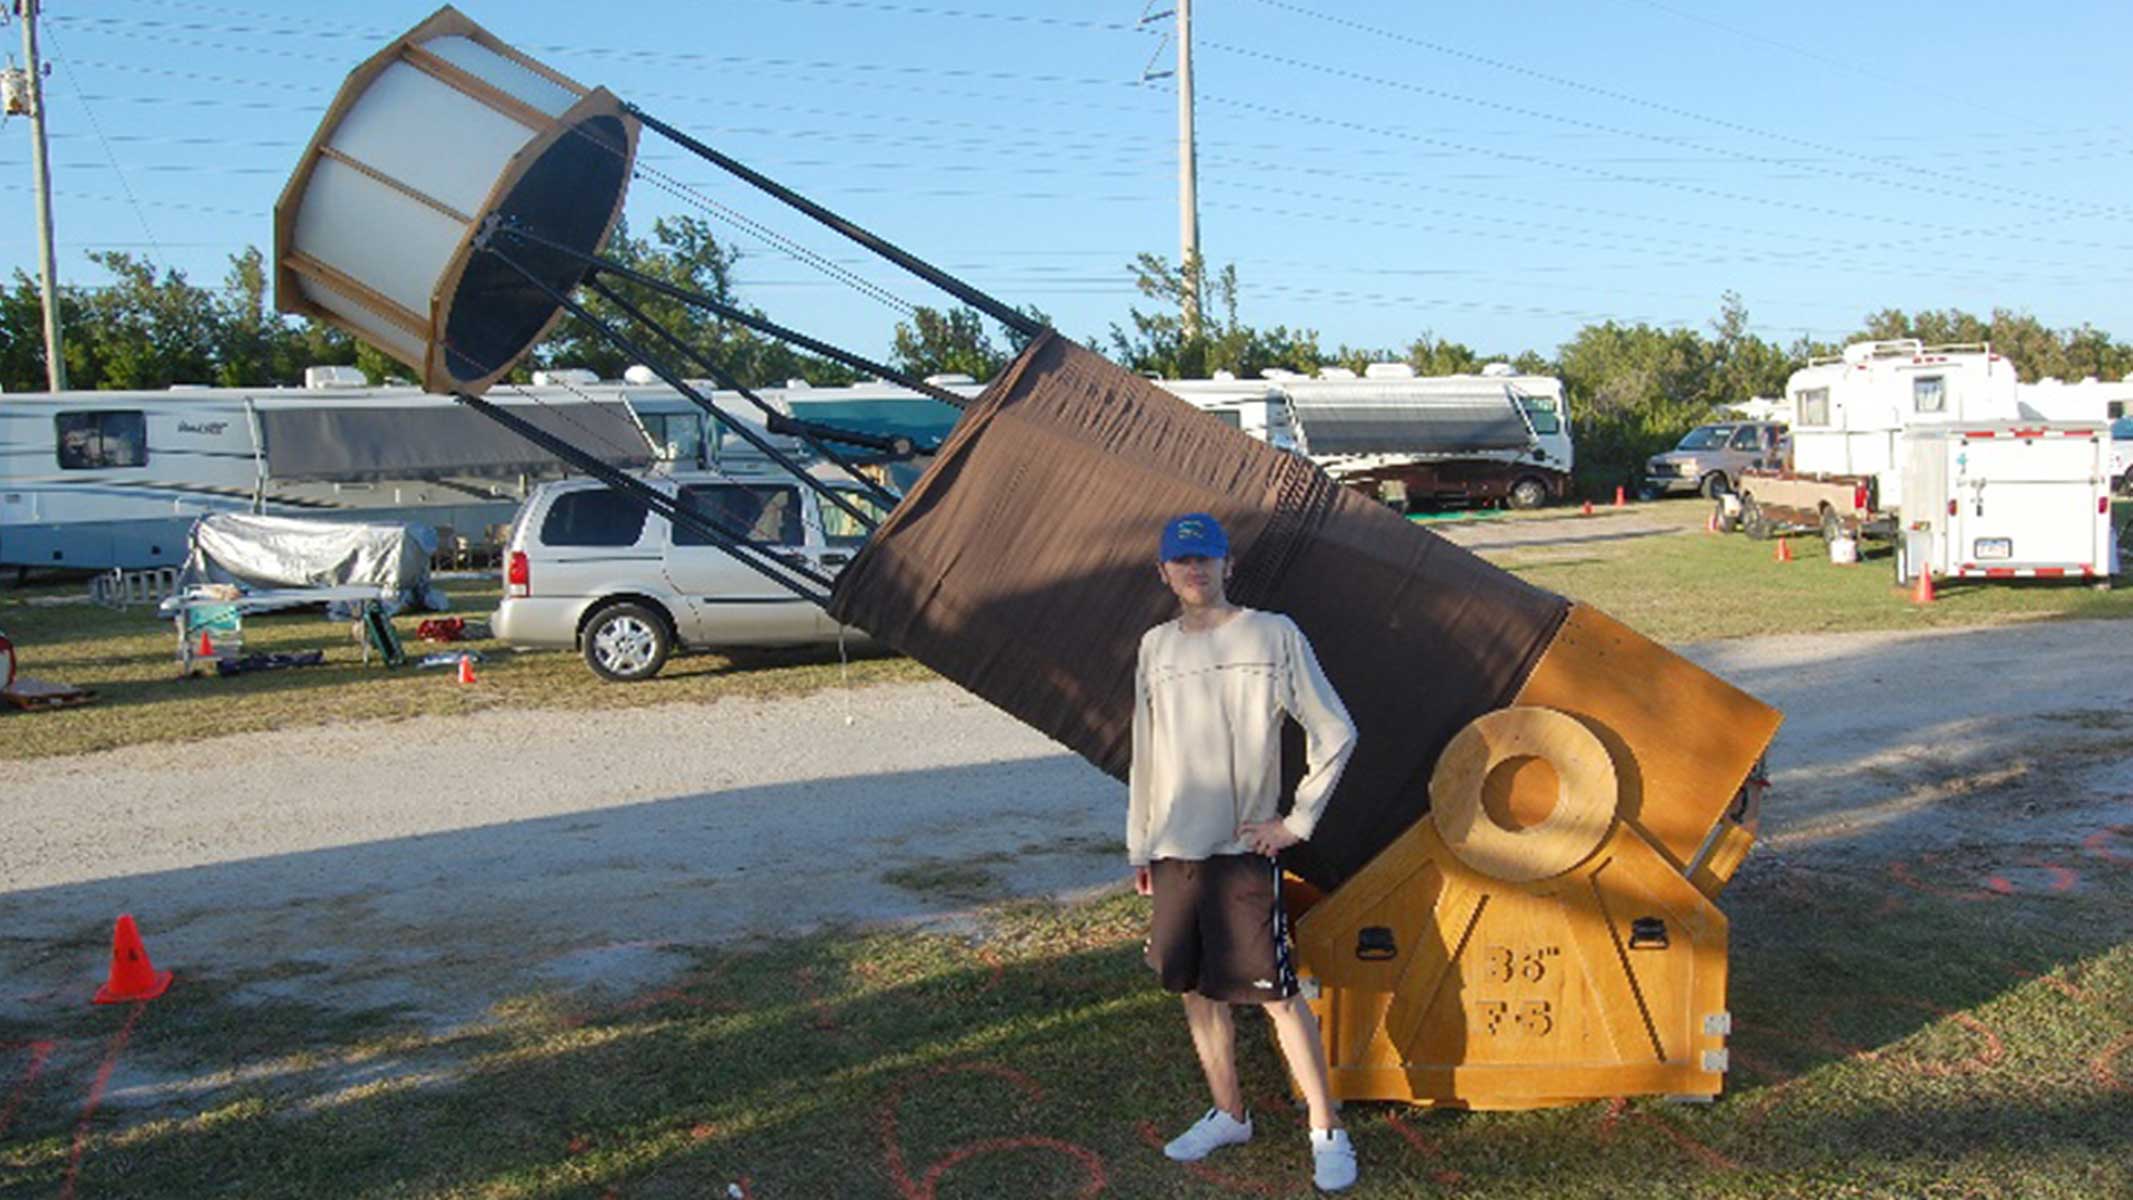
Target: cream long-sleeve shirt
{"x":1207,"y":715}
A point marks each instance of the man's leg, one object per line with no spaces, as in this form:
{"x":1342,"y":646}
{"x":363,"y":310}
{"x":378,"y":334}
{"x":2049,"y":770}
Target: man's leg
{"x":1297,"y":1030}
{"x":1214,"y":1037}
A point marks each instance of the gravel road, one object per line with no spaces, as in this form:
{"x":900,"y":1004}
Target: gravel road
{"x":443,"y":864}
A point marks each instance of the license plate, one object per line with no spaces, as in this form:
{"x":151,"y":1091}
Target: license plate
{"x":1986,"y":548}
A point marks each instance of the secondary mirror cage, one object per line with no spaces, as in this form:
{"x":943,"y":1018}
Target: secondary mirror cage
{"x":458,"y":191}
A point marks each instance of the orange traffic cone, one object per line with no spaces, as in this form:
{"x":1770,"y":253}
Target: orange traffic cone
{"x":466,"y":668}
{"x":207,"y":646}
{"x":1922,"y":590}
{"x":133,"y":977}
{"x":1588,"y":509}
{"x":1784,"y":551}
{"x":1621,"y":499}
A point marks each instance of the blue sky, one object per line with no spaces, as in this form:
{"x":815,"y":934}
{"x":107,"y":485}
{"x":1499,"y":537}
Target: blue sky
{"x":1499,"y":174}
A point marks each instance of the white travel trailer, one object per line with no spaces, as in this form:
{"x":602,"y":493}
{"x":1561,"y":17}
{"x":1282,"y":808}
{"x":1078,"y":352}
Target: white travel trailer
{"x":2006,"y":500}
{"x":102,"y":480}
{"x":1409,"y":440}
{"x":97,"y":480}
{"x":1850,"y":414}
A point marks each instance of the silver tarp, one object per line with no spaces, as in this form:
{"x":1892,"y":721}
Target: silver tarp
{"x":291,"y":552}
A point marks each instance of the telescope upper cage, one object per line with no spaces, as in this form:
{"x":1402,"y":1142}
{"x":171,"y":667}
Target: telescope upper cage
{"x":430,"y":146}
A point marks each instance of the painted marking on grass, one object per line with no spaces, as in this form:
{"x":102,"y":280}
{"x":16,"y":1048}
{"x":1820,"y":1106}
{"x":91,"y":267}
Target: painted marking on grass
{"x":96,"y":1097}
{"x":1901,"y":872}
{"x":1426,"y":1149}
{"x":1618,"y":1107}
{"x":2105,"y":1065}
{"x":2064,"y":986}
{"x":1984,"y":1060}
{"x":40,"y":1054}
{"x":2098,"y":844}
{"x":926,"y":1187}
{"x":1221,"y":1179}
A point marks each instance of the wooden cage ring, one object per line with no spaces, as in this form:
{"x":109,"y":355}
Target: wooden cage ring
{"x":1584,"y":800}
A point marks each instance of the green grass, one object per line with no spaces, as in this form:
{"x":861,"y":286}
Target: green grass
{"x":1684,"y":587}
{"x":1696,"y":586}
{"x":130,"y":660}
{"x":1025,"y":1063}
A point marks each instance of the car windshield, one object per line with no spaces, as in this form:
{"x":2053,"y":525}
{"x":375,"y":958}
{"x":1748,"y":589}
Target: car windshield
{"x":2122,"y":429}
{"x":1705,"y":437}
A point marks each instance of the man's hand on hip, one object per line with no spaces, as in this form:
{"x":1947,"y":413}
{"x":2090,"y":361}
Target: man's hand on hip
{"x":1266,"y":837}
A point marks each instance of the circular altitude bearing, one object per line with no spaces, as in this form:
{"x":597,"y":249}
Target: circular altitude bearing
{"x":1480,"y":766}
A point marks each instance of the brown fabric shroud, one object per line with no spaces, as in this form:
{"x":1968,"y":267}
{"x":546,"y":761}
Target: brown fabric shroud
{"x":1022,"y":566}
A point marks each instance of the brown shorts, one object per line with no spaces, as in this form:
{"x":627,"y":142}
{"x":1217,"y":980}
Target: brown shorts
{"x":1220,"y":929}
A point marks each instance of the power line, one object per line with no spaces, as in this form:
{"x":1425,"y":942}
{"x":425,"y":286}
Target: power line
{"x":1611,"y":94}
{"x":2057,"y":206}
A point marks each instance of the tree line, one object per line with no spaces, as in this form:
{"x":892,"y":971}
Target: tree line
{"x":1634,"y":388}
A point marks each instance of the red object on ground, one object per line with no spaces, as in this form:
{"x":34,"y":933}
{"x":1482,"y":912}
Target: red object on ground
{"x":207,"y":647}
{"x":1784,"y":550}
{"x":1922,"y":591}
{"x":442,"y":629}
{"x":1621,"y":498}
{"x":1587,"y":510}
{"x":133,"y":977}
{"x":466,"y":669}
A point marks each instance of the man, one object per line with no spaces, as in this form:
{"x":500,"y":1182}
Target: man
{"x":1210,"y":693}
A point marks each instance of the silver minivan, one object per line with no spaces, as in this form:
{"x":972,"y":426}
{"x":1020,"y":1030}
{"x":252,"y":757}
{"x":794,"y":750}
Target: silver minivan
{"x":590,"y":569}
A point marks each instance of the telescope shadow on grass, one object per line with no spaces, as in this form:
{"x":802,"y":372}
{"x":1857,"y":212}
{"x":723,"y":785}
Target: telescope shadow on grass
{"x":1032,"y":1065}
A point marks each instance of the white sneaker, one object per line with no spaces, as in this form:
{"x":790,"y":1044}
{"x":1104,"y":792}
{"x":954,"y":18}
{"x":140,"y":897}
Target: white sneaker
{"x":1209,"y":1134}
{"x":1332,"y":1159}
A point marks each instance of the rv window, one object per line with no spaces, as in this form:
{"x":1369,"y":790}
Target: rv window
{"x":768,"y":513}
{"x":1929,"y":394}
{"x":838,"y":527}
{"x":1541,"y":411}
{"x":676,"y":437}
{"x":1813,"y":406}
{"x":593,"y":517}
{"x":1228,"y":416}
{"x":89,"y":441}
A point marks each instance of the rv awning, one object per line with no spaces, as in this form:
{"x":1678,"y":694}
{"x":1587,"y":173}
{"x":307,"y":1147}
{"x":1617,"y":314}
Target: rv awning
{"x":1345,"y":418}
{"x":359,"y":443}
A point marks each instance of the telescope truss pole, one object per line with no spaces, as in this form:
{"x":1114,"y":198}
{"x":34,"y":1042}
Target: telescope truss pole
{"x":998,"y":311}
{"x":765,"y":561}
{"x":732,"y":384}
{"x":740,"y":316}
{"x":673,"y":379}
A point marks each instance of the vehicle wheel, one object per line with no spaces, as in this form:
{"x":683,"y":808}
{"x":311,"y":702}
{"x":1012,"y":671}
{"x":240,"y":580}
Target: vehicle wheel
{"x":1529,"y":492}
{"x":1714,"y":485}
{"x":627,"y":642}
{"x":1832,"y":528}
{"x":1752,"y":521}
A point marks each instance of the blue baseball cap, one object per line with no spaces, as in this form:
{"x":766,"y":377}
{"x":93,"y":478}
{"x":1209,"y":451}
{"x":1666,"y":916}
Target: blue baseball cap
{"x":1194,"y":535}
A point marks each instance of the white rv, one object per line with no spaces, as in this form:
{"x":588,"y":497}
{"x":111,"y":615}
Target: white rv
{"x":1411,"y":441}
{"x":1850,"y":414}
{"x":97,"y":480}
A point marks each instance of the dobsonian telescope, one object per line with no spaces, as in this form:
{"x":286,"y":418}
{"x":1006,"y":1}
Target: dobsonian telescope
{"x":1511,"y":899}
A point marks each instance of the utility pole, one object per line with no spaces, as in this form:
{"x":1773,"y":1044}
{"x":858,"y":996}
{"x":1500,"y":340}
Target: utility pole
{"x":41,"y":167}
{"x":1188,"y":178}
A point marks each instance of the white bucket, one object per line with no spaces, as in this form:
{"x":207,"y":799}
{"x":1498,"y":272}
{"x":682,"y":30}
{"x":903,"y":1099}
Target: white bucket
{"x":1844,"y":551}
